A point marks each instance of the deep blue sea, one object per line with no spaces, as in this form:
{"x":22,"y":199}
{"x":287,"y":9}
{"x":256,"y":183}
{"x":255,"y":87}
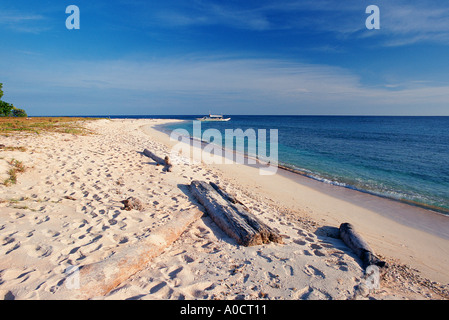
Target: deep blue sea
{"x":402,"y":158}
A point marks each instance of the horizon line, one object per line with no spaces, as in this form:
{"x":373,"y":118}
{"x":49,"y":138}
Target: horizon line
{"x":269,"y":115}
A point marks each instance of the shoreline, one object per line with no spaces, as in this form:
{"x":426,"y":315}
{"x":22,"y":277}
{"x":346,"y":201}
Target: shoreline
{"x":284,"y":167}
{"x":429,"y":208}
{"x":404,"y":213}
{"x":411,"y":221}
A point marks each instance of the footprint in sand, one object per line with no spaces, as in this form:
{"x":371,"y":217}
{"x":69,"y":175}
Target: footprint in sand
{"x":79,"y":223}
{"x":343,"y":266}
{"x":120,"y":239}
{"x":28,"y":234}
{"x":310,"y":240}
{"x":39,"y":250}
{"x":316,"y":250}
{"x":13,"y":247}
{"x":17,"y":215}
{"x":19,"y":275}
{"x":312,"y":271}
{"x":7,"y":240}
{"x":307,"y":253}
{"x":289,"y":270}
{"x":38,"y":219}
{"x":310,"y":293}
{"x":165,"y":293}
{"x":188,"y":259}
{"x":50,"y":233}
{"x":300,"y":242}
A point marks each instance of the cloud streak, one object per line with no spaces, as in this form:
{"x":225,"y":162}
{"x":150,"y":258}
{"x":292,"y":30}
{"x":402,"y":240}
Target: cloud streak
{"x":23,"y":22}
{"x":408,"y":23}
{"x":233,"y":85}
{"x":260,"y":15}
{"x":402,"y":22}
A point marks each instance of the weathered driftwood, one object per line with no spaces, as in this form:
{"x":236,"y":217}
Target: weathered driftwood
{"x":360,"y":247}
{"x":231,"y":216}
{"x":165,"y":162}
{"x":268,"y":234}
{"x":100,"y":278}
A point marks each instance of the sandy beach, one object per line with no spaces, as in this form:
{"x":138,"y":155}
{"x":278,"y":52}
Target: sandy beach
{"x":65,"y":210}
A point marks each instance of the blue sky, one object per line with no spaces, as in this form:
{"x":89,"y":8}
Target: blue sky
{"x":234,"y":57}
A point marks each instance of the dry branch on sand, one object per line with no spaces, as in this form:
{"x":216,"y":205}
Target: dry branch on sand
{"x":159,"y":161}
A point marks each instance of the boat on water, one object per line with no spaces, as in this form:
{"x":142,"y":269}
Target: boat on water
{"x":213,"y":117}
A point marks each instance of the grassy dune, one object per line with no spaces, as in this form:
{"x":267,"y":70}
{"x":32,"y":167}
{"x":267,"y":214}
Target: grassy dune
{"x":39,"y":125}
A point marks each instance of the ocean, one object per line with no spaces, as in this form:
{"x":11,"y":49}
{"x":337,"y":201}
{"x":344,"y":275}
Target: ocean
{"x":400,"y":158}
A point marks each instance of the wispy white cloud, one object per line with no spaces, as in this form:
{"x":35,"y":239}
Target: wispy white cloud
{"x":233,"y":85}
{"x":402,"y":21}
{"x":209,"y":13}
{"x":19,"y":18}
{"x":408,"y":23}
{"x":23,"y":22}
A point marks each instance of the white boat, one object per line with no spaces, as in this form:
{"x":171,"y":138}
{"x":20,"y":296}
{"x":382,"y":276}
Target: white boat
{"x":213,"y":117}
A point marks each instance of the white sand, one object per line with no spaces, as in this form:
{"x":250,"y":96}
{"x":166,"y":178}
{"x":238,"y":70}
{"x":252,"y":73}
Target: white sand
{"x":42,"y":232}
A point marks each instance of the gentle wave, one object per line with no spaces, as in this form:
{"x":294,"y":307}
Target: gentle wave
{"x":392,"y":195}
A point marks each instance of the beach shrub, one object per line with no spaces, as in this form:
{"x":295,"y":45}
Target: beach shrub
{"x":17,"y":167}
{"x":19,"y":113}
{"x":7,"y":109}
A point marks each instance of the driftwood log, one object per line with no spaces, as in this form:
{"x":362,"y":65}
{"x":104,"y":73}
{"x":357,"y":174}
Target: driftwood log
{"x":165,"y":162}
{"x":360,"y":247}
{"x":232,"y":217}
{"x":267,"y":233}
{"x":100,"y":278}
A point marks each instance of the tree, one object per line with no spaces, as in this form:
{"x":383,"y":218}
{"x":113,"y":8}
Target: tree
{"x":5,"y":109}
{"x":19,"y":112}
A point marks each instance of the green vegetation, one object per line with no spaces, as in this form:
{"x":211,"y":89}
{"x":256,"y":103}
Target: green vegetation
{"x":8,"y":148}
{"x":8,"y":109}
{"x":17,"y":167}
{"x":5,"y":108}
{"x":9,"y":125}
{"x":19,"y":113}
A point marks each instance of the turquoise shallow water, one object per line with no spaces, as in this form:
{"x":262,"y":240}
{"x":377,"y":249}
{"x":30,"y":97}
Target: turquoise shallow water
{"x":402,"y":158}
